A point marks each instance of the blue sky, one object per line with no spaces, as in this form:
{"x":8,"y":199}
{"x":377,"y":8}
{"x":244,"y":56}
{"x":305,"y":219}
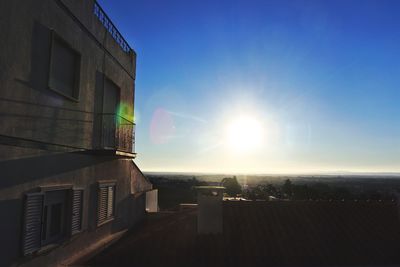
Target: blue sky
{"x":320,"y":77}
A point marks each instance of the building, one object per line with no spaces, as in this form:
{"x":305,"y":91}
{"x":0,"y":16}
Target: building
{"x":68,"y":176}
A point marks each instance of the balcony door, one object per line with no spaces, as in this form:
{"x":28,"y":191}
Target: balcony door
{"x":109,"y":118}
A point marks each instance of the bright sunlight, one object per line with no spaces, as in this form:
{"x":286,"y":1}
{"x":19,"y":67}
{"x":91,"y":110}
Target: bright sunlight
{"x":244,"y":134}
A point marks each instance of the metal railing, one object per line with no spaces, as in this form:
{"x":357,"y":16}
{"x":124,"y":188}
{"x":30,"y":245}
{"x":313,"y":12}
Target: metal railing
{"x":110,"y":27}
{"x":117,"y":133}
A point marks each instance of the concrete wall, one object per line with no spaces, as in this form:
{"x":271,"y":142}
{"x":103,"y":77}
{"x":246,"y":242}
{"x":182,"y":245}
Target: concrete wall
{"x":28,"y":109}
{"x":47,"y":139}
{"x":20,"y":176}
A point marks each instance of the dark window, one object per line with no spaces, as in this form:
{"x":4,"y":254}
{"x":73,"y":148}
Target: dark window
{"x":55,"y":205}
{"x":57,"y":214}
{"x":106,"y":202}
{"x":109,"y":119}
{"x":64,"y":69}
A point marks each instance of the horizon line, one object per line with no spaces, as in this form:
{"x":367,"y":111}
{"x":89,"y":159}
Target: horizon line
{"x":322,"y":173}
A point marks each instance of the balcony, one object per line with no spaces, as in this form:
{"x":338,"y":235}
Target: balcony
{"x":117,"y":134}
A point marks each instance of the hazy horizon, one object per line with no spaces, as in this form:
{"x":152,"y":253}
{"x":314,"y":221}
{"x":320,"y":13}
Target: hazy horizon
{"x":337,"y":173}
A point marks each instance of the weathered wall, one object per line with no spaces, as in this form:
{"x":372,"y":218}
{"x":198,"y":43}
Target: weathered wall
{"x":20,"y":176}
{"x":44,"y":136}
{"x":28,"y":109}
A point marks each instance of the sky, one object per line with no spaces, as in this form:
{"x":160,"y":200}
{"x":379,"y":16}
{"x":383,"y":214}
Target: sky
{"x":315,"y":84}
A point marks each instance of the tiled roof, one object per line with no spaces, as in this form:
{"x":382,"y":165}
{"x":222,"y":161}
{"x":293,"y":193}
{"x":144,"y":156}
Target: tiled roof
{"x":284,"y":233}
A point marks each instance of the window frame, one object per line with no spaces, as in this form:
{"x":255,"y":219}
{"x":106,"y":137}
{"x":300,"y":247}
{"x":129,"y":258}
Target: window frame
{"x":106,"y":184}
{"x":64,"y":218}
{"x":107,"y":81}
{"x":76,"y":90}
{"x":66,"y":224}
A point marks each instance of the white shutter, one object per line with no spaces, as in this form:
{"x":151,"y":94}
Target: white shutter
{"x":32,"y":222}
{"x":76,"y":217}
{"x":105,"y":203}
{"x":102,"y":204}
{"x":110,"y":202}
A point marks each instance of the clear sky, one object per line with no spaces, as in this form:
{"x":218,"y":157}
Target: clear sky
{"x":316,"y":82}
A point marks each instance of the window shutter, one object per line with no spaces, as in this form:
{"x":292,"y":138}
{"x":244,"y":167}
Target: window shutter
{"x":32,"y":222}
{"x":110,"y":202}
{"x":103,"y":199}
{"x":76,"y":218}
{"x":64,"y":69}
{"x":106,"y":203}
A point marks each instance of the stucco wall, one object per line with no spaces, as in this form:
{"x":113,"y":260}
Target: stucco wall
{"x":20,"y":176}
{"x":35,"y":120}
{"x":28,"y":108}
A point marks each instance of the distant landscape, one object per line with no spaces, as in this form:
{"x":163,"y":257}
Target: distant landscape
{"x":176,"y":188}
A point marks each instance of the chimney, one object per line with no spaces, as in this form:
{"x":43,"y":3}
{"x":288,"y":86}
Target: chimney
{"x":209,"y":213}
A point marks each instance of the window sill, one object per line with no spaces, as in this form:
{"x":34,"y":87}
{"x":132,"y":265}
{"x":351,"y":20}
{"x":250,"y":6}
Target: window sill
{"x":73,"y":234}
{"x":71,"y":98}
{"x":47,"y":248}
{"x":125,"y":154}
{"x":105,"y":222}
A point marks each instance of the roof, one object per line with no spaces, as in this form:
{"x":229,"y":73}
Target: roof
{"x":286,"y":233}
{"x":209,"y":187}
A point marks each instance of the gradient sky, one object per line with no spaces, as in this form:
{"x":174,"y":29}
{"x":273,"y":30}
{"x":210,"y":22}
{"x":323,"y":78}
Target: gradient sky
{"x":321,"y":77}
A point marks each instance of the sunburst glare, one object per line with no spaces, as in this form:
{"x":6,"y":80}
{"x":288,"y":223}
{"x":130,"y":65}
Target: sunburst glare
{"x":244,"y":134}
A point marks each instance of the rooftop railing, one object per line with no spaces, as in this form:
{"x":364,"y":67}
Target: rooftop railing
{"x":110,"y":27}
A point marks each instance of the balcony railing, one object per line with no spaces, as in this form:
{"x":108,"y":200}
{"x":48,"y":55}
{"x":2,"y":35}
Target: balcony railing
{"x":117,"y":133}
{"x":107,"y":23}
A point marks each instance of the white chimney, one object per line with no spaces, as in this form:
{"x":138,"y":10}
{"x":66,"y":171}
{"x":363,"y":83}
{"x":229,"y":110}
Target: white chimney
{"x":209,"y":216}
{"x":152,"y":200}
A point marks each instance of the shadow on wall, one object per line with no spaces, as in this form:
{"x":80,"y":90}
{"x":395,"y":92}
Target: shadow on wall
{"x":10,"y":231}
{"x":24,"y":170}
{"x":40,"y":58}
{"x":54,"y":119}
{"x":131,"y":210}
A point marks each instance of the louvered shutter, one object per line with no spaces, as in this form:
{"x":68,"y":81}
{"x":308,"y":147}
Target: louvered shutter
{"x":110,"y":202}
{"x":32,"y":222}
{"x":76,"y":217}
{"x":102,"y":208}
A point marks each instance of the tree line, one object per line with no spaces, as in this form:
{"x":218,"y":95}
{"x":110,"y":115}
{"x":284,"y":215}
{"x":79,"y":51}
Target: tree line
{"x":290,"y":191}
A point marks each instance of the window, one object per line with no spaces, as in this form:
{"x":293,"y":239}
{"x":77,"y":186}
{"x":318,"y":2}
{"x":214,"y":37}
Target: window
{"x":106,"y":199}
{"x":50,"y":216}
{"x":110,"y":106}
{"x":64,"y":68}
{"x":53,"y":218}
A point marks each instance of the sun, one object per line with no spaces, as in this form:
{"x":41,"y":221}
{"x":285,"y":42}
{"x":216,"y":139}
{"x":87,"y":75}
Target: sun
{"x":244,"y":134}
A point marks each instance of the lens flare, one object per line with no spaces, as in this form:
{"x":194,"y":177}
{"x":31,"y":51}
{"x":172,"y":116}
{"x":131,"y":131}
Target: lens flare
{"x":162,"y":127}
{"x":125,"y":114}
